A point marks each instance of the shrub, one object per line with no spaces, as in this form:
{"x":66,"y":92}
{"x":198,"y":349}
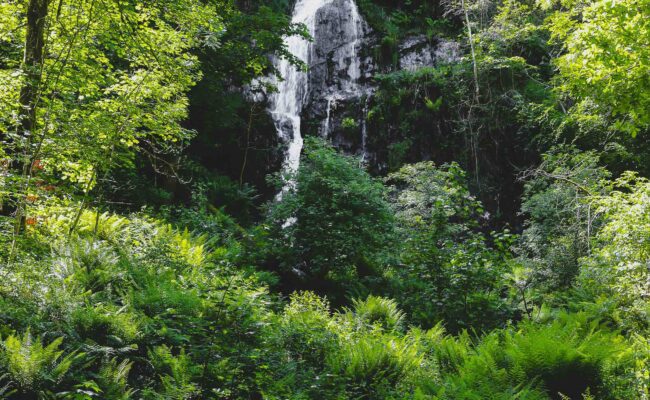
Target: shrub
{"x":106,"y":325}
{"x":305,"y":328}
{"x":560,"y":220}
{"x":570,"y":356}
{"x":617,"y":269}
{"x":379,"y":311}
{"x":374,"y":366}
{"x":112,"y":379}
{"x":445,"y":269}
{"x":341,"y":222}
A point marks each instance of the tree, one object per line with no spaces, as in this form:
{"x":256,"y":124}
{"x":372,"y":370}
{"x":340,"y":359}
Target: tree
{"x":617,"y":271}
{"x":99,"y":80}
{"x":32,"y":68}
{"x":445,"y":270}
{"x":560,"y":220}
{"x":606,"y":66}
{"x":332,"y":223}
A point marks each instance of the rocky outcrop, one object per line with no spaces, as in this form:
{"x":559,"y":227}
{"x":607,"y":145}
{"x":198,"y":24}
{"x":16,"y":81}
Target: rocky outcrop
{"x":339,"y":82}
{"x":418,"y":51}
{"x":341,"y":71}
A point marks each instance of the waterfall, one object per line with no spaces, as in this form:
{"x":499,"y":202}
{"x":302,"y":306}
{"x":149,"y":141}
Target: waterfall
{"x":287,"y":103}
{"x":326,"y":127}
{"x":364,"y":129}
{"x":350,"y":49}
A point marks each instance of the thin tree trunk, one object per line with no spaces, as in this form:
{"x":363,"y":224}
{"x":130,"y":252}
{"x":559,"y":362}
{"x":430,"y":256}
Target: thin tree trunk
{"x":523,"y":296}
{"x":32,"y":61}
{"x":248,"y":141}
{"x":32,"y":66}
{"x":476,"y":98}
{"x":471,"y":46}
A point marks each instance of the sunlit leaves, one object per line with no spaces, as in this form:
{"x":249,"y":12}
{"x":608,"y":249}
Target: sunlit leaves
{"x":618,"y":267}
{"x":115,"y":73}
{"x":608,"y":59}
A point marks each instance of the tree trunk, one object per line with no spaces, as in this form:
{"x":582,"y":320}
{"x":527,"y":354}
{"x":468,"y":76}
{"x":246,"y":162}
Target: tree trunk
{"x":32,"y":62}
{"x":32,"y":67}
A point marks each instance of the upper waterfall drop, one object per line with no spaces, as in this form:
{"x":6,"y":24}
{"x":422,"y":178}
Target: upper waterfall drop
{"x":286,"y":105}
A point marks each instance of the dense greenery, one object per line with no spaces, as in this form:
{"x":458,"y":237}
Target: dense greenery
{"x":150,"y":249}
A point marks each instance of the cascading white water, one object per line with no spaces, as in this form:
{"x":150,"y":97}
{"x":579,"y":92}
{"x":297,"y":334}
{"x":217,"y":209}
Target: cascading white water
{"x":364,"y":129}
{"x":328,"y":114}
{"x":350,"y":49}
{"x":286,"y":105}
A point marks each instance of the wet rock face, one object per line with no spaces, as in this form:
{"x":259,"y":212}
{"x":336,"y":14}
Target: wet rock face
{"x":341,"y":68}
{"x":336,"y":64}
{"x":339,"y":72}
{"x":447,"y":51}
{"x":418,"y":51}
{"x":415,"y":52}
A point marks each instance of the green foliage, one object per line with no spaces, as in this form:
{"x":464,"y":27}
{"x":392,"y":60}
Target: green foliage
{"x":32,"y":367}
{"x":372,"y":367}
{"x":135,"y":294}
{"x":115,"y":76}
{"x":349,"y":123}
{"x":606,"y":59}
{"x":306,"y":327}
{"x":113,"y":379}
{"x":617,"y":268}
{"x":400,"y":133}
{"x":331,"y":223}
{"x":379,"y":311}
{"x":176,"y":374}
{"x":560,"y":219}
{"x":180,"y":322}
{"x":106,"y":326}
{"x":417,"y":291}
{"x":393,"y":21}
{"x":424,"y":115}
{"x":446,"y":270}
{"x":114,"y":89}
{"x":569,"y":356}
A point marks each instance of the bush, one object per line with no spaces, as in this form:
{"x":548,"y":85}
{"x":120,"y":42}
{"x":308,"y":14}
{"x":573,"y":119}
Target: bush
{"x":445,"y":269}
{"x":617,"y":268}
{"x":379,"y":311}
{"x":571,"y":356}
{"x":340,"y":221}
{"x":106,"y":325}
{"x":560,"y":221}
{"x":373,"y":367}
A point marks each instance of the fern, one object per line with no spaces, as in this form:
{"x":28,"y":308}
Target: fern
{"x":7,"y":390}
{"x":32,"y":366}
{"x":113,"y":379}
{"x":87,"y":264}
{"x":374,"y":361}
{"x":379,"y":311}
{"x":176,"y":373}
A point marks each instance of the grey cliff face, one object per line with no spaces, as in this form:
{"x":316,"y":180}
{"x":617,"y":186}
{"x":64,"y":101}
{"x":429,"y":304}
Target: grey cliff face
{"x":417,"y":51}
{"x":339,"y":71}
{"x":341,"y":67}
